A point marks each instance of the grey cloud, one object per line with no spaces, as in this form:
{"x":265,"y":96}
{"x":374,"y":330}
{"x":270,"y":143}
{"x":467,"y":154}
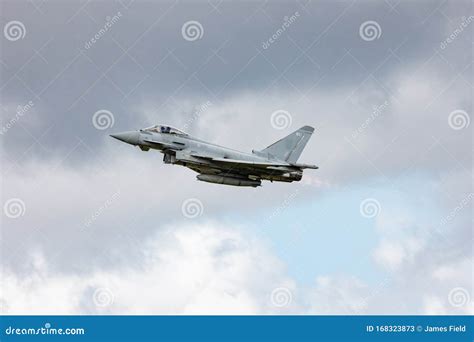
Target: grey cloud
{"x":65,"y":169}
{"x":118,"y":72}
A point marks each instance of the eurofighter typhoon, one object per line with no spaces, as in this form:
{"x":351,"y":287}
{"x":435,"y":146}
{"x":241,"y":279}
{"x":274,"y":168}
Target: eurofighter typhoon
{"x":221,"y":165}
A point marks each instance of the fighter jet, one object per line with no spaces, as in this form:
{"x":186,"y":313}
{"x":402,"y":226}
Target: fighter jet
{"x":221,"y":165}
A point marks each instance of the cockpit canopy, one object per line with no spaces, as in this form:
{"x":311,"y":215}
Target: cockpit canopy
{"x":164,"y":129}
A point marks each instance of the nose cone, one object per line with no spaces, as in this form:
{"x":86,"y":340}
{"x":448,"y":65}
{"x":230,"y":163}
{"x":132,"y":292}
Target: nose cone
{"x":130,"y":137}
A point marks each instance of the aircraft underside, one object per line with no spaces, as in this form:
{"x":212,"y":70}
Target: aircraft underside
{"x":241,"y":177}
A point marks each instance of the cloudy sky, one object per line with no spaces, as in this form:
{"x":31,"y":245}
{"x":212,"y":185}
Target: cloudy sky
{"x":94,"y":226}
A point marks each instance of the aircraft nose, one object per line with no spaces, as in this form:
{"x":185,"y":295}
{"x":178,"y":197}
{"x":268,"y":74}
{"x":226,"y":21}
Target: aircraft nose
{"x":130,"y":137}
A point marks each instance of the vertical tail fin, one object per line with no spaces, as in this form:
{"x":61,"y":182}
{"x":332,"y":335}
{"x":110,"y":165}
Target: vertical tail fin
{"x":290,"y":147}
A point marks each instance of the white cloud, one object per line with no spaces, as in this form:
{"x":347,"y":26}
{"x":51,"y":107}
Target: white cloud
{"x":389,"y":254}
{"x":190,"y":269}
{"x":338,"y":295}
{"x":211,"y":267}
